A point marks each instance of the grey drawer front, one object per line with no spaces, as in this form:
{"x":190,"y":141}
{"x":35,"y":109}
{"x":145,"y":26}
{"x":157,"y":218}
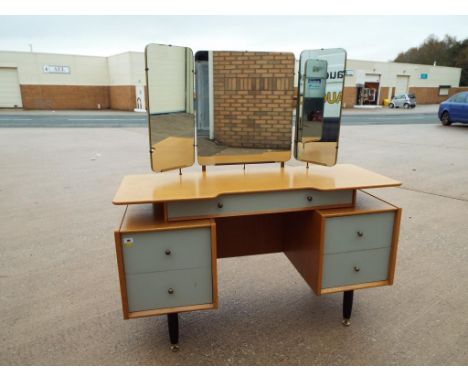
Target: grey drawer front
{"x":189,"y":248}
{"x":150,"y":290}
{"x":338,"y":269}
{"x":341,"y":233}
{"x":258,"y":202}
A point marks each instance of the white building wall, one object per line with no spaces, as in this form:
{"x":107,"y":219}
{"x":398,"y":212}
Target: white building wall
{"x":119,"y":69}
{"x":388,"y":71}
{"x":137,"y":66}
{"x":84,"y":70}
{"x":127,"y":69}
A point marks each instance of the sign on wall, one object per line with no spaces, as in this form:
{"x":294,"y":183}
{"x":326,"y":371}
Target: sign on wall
{"x":58,"y":69}
{"x":314,"y":83}
{"x":423,"y":76}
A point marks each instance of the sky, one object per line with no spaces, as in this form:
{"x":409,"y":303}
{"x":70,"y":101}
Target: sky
{"x":378,"y":38}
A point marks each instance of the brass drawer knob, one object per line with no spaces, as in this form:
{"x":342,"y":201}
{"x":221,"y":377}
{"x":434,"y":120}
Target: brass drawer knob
{"x":167,"y":252}
{"x":309,"y":198}
{"x":360,"y":233}
{"x":170,"y":291}
{"x":356,"y":268}
{"x":220,"y":205}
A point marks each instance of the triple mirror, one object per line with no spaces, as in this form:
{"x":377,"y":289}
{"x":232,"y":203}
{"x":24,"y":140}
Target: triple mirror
{"x":241,"y":106}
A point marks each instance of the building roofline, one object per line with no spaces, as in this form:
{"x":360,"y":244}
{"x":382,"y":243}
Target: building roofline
{"x":126,"y":52}
{"x":56,"y":54}
{"x":136,"y":52}
{"x":403,"y":63}
{"x":70,"y":54}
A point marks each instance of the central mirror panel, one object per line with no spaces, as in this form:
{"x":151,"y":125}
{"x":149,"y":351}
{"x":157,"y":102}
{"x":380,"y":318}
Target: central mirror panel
{"x":244,"y":104}
{"x":320,"y":92}
{"x":170,"y":81}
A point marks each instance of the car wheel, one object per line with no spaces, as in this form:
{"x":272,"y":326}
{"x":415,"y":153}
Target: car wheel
{"x":445,"y":119}
{"x":406,"y":105}
{"x":391,"y":105}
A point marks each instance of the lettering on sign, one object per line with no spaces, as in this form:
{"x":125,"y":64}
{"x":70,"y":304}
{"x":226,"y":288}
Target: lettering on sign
{"x":333,"y":97}
{"x":56,"y":69}
{"x":336,"y":75}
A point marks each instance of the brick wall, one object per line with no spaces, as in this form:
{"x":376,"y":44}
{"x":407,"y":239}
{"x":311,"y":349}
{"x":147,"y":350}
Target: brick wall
{"x":349,"y":97}
{"x":122,"y":97}
{"x":453,"y":91}
{"x":61,"y":97}
{"x":427,"y":95}
{"x":253,"y":99}
{"x":431,"y":95}
{"x":383,"y":93}
{"x":424,"y":96}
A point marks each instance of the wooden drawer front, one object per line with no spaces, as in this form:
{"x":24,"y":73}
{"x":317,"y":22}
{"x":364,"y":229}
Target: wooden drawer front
{"x":148,"y":291}
{"x":145,"y":252}
{"x":340,"y":269}
{"x":358,"y":232}
{"x":258,"y":202}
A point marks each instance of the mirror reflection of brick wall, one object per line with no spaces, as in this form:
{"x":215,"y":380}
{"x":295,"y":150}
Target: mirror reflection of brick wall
{"x":253,"y":99}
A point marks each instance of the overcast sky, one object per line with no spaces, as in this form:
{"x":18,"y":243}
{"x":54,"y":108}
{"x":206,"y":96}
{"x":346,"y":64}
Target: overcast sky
{"x":378,"y":38}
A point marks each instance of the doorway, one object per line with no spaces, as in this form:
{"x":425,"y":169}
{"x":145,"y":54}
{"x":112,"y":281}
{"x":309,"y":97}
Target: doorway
{"x":402,"y":83}
{"x":10,"y":93}
{"x":371,"y":93}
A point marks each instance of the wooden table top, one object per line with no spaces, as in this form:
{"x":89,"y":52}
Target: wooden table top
{"x":170,"y":186}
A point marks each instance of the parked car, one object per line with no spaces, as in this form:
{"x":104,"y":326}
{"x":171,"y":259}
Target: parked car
{"x":455,"y":109}
{"x":403,"y":100}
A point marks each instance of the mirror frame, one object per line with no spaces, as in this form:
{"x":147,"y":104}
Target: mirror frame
{"x":189,"y":85}
{"x":300,"y":99}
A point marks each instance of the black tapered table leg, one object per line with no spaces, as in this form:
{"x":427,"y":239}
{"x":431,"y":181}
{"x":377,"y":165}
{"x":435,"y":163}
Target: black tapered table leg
{"x":347,"y":306}
{"x":173,"y":325}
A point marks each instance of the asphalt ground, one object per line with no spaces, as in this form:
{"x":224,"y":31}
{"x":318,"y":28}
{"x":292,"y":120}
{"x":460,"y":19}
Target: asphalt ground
{"x":390,"y":119}
{"x":59,"y":290}
{"x":71,"y":119}
{"x":8,"y":118}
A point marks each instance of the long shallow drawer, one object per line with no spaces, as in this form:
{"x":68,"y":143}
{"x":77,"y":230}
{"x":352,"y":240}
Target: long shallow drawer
{"x":145,"y":252}
{"x":258,"y":202}
{"x":358,"y":232}
{"x":360,"y":267}
{"x":169,"y":289}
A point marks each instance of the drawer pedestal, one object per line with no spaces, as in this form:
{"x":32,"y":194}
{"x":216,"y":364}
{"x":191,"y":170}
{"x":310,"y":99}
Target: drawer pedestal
{"x":165,"y":267}
{"x":343,"y":249}
{"x":339,"y":241}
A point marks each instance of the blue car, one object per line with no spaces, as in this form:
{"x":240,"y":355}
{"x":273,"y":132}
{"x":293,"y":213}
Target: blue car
{"x":455,"y":109}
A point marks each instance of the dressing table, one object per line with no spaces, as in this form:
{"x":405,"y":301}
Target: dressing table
{"x":176,"y":225}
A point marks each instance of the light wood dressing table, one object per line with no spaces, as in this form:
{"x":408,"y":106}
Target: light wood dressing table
{"x":175,"y":227}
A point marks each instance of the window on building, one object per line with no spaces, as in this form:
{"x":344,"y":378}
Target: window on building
{"x":444,"y":90}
